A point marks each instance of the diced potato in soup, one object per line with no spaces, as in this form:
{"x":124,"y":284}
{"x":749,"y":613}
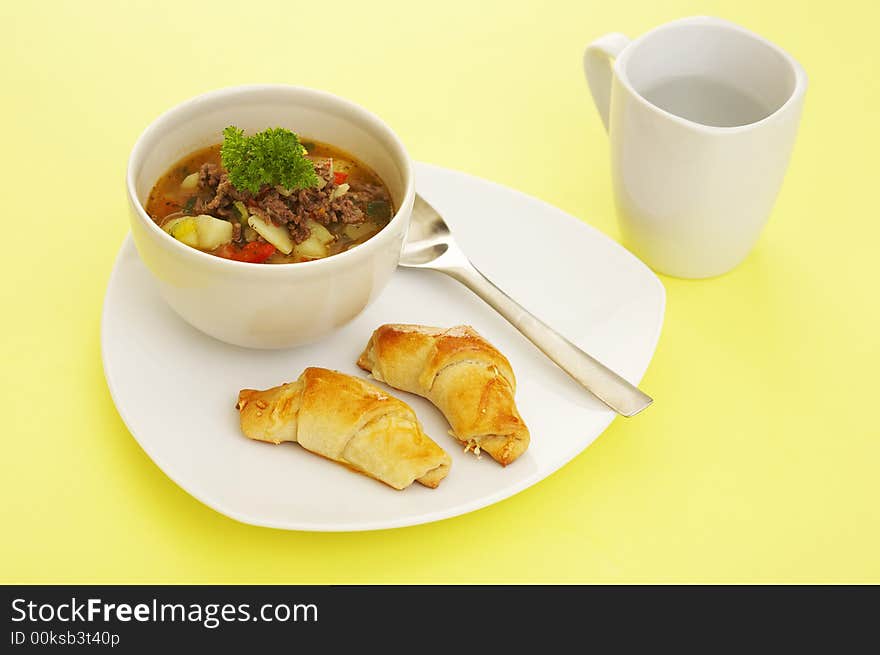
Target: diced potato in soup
{"x":274,"y":234}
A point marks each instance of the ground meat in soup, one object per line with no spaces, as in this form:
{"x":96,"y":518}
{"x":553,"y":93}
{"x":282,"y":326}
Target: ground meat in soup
{"x":350,"y":205}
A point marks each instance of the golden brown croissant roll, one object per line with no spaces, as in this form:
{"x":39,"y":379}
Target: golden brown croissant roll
{"x":462,"y":374}
{"x":348,"y":420}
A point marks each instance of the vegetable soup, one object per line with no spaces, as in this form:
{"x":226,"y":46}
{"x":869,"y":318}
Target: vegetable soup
{"x":270,"y":198}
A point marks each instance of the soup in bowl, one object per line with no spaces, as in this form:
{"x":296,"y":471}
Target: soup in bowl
{"x":269,"y":255}
{"x":258,"y":219}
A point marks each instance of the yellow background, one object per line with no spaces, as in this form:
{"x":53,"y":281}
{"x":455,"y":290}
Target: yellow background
{"x":760,"y":460}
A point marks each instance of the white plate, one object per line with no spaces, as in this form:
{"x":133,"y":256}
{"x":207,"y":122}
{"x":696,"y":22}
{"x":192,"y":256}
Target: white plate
{"x":176,"y":388}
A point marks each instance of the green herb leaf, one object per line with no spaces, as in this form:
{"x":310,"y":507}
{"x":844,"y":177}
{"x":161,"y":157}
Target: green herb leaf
{"x":273,"y":157}
{"x":188,"y":207}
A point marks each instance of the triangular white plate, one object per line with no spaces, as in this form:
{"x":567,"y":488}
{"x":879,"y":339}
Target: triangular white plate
{"x":176,"y":388}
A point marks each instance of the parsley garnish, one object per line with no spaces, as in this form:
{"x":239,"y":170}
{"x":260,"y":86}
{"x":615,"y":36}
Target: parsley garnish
{"x":274,"y":156}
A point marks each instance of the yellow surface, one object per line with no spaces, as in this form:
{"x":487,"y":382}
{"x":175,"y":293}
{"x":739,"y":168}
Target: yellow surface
{"x":760,"y":458}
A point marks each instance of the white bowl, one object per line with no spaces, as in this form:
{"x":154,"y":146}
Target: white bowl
{"x":268,"y":305}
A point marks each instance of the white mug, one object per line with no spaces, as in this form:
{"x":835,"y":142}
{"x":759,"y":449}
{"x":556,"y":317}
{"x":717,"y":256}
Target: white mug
{"x":702,"y":116}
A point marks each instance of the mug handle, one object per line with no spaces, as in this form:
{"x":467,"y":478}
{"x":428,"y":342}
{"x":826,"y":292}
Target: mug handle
{"x":597,"y":69}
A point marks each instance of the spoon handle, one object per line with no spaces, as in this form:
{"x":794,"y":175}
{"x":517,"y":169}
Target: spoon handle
{"x":618,"y":394}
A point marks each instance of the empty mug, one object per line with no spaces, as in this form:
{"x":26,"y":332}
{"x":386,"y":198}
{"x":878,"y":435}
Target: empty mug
{"x":702,"y":116}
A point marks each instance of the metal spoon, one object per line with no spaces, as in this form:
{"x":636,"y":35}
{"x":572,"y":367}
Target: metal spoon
{"x":430,"y":245}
